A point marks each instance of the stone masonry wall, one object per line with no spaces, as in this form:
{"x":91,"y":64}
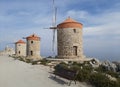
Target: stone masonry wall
{"x":33,"y":45}
{"x":20,"y":49}
{"x":67,"y":39}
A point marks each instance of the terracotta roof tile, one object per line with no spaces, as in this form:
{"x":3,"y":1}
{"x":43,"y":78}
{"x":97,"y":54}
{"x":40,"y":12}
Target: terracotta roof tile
{"x":69,"y":23}
{"x":20,"y":42}
{"x":33,"y":37}
{"x":69,"y":20}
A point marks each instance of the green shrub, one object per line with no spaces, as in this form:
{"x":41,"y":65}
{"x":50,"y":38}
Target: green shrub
{"x":101,"y":80}
{"x":44,"y":61}
{"x":21,"y":59}
{"x":83,"y":75}
{"x":35,"y":62}
{"x":113,"y":74}
{"x":60,"y":66}
{"x":28,"y":61}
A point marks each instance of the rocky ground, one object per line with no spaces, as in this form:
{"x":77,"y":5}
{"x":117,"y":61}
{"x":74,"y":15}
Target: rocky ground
{"x":15,"y":73}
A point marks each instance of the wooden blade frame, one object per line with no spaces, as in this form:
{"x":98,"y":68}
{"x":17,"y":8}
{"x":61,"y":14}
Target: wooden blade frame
{"x":54,"y":26}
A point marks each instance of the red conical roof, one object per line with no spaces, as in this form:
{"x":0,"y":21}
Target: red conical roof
{"x":69,"y":23}
{"x":20,"y":42}
{"x":33,"y":37}
{"x":69,"y":20}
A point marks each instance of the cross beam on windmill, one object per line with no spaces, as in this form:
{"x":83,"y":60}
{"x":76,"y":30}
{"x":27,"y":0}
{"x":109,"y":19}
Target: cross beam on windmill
{"x":54,"y":27}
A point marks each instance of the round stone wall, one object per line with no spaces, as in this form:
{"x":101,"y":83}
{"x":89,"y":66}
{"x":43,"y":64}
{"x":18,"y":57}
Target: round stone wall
{"x":33,"y":49}
{"x":70,"y":43}
{"x":20,"y":49}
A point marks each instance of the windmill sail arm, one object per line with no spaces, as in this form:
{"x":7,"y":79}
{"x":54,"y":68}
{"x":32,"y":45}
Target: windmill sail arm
{"x":53,"y":27}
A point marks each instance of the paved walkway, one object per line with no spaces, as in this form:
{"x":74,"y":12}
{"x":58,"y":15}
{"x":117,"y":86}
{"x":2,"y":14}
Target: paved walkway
{"x":15,"y":73}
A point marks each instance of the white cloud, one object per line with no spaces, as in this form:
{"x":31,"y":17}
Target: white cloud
{"x":79,"y":14}
{"x":103,"y":24}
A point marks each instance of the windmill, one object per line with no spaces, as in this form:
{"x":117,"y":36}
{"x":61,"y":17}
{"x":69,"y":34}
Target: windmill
{"x":54,"y":27}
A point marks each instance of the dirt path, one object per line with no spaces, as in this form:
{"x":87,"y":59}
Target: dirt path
{"x":15,"y":73}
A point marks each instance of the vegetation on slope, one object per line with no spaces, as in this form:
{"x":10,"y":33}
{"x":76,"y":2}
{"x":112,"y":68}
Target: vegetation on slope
{"x":95,"y":76}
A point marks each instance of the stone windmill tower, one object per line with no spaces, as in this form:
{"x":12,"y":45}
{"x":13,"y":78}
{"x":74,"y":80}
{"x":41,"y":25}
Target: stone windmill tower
{"x":69,"y":38}
{"x":33,"y":47}
{"x":20,"y":48}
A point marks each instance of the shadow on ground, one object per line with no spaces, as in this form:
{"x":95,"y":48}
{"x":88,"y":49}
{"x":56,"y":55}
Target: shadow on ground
{"x":59,"y":80}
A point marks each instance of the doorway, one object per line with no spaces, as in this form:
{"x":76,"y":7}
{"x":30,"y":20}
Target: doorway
{"x":31,"y":53}
{"x":75,"y":50}
{"x":19,"y":52}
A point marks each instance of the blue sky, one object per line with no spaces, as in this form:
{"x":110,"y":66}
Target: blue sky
{"x":101,"y":20}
